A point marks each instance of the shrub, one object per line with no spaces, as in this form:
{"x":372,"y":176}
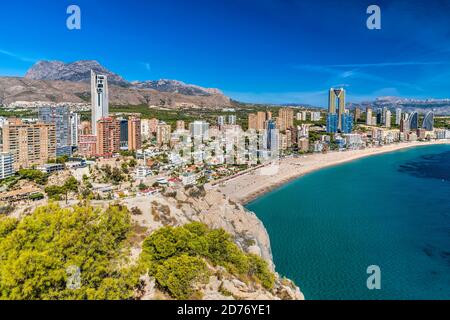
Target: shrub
{"x":196,"y":240}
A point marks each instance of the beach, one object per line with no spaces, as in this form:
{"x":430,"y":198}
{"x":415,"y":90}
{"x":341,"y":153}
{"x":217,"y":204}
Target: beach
{"x":248,"y":186}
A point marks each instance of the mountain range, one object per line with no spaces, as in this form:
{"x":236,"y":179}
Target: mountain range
{"x":56,"y":81}
{"x":438,"y":106}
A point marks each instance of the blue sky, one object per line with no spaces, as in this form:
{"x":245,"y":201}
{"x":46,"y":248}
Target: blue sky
{"x":254,"y":50}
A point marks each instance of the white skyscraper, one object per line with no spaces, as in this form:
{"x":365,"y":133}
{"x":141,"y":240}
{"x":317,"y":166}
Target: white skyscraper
{"x":74,"y":128}
{"x":199,"y":130}
{"x":99,"y":99}
{"x":398,"y":116}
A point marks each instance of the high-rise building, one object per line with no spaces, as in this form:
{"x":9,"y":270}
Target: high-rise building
{"x":99,"y":99}
{"x":232,"y":119}
{"x":6,"y":165}
{"x":332,"y":122}
{"x":134,"y":133}
{"x":387,"y":119}
{"x":398,"y":116}
{"x":252,"y":121}
{"x":221,"y":121}
{"x":60,"y":117}
{"x":123,"y":134}
{"x":315,"y":116}
{"x":261,"y":118}
{"x":347,"y":123}
{"x":87,"y":145}
{"x":181,"y":126}
{"x":163,"y":131}
{"x":286,"y":118}
{"x":108,"y":136}
{"x":357,"y":113}
{"x":339,"y":96}
{"x":428,"y":121}
{"x":413,"y":121}
{"x":74,"y":123}
{"x":29,"y":143}
{"x":199,"y":130}
{"x":379,"y":116}
{"x":369,"y":116}
{"x":404,"y":126}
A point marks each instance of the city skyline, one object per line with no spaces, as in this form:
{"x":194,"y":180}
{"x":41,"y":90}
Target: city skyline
{"x":402,"y":59}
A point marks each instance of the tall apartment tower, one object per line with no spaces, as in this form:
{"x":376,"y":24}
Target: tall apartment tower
{"x":337,"y":95}
{"x":108,"y":136}
{"x":99,"y":99}
{"x":29,"y":143}
{"x":369,"y":116}
{"x":286,"y":116}
{"x":398,"y":116}
{"x":134,"y":133}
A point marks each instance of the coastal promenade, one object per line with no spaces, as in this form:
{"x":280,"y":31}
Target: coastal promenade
{"x":252,"y":183}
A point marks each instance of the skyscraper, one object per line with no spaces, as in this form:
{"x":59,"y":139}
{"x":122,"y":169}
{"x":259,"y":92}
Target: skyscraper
{"x":220,"y":121}
{"x":60,"y":117}
{"x":108,"y":136}
{"x":99,"y":99}
{"x":29,"y":143}
{"x":413,"y":120}
{"x":134,"y":133}
{"x":398,"y":116}
{"x":428,"y":121}
{"x":232,"y":119}
{"x":123,"y":134}
{"x":180,"y":126}
{"x":286,"y":117}
{"x":369,"y":116}
{"x":199,"y":130}
{"x":163,"y":131}
{"x":339,"y":96}
{"x":387,"y":120}
{"x":75,"y":121}
{"x":332,"y":122}
{"x":347,"y":123}
{"x":357,"y":113}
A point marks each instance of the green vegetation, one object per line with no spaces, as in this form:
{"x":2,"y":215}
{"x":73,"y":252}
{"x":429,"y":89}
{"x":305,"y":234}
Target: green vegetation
{"x":38,"y":253}
{"x":55,"y":192}
{"x":177,"y":257}
{"x":33,"y":175}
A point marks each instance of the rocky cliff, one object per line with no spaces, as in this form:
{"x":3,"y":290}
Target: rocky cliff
{"x":178,"y":207}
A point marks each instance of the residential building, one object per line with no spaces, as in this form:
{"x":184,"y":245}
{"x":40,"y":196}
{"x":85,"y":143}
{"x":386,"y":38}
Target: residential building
{"x":134,"y":133}
{"x":332,"y":123}
{"x":315,"y":116}
{"x":231,"y":119}
{"x":108,"y":136}
{"x":123,"y":134}
{"x":369,"y":116}
{"x":59,"y":116}
{"x":87,"y":145}
{"x":286,"y":118}
{"x":199,"y":130}
{"x":29,"y":143}
{"x":221,"y":121}
{"x":387,"y":120}
{"x":428,"y":121}
{"x":6,"y":165}
{"x":74,"y":123}
{"x":180,"y":126}
{"x":413,"y":121}
{"x":398,"y":116}
{"x":347,"y":123}
{"x":163,"y":131}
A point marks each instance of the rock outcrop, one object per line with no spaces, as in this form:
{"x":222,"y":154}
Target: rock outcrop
{"x":181,"y":206}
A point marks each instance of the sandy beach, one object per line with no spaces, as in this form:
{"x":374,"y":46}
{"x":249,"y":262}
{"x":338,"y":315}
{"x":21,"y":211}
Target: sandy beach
{"x":253,"y":183}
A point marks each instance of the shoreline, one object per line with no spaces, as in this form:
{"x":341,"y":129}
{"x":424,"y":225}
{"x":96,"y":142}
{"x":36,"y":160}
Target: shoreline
{"x":247,"y":187}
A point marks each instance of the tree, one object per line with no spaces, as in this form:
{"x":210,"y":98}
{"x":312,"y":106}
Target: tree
{"x":38,"y":252}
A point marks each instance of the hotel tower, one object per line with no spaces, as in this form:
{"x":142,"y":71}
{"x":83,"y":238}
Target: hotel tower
{"x":99,"y":99}
{"x":337,"y":95}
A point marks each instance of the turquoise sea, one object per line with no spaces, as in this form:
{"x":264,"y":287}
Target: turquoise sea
{"x":390,"y":210}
